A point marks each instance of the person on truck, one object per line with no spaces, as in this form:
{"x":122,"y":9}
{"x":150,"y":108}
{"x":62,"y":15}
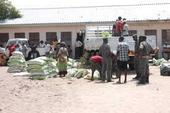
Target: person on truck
{"x":119,"y":26}
{"x":125,"y":28}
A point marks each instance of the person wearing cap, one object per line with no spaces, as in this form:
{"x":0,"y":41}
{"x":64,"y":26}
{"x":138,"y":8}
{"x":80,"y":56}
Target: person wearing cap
{"x":122,"y":58}
{"x":105,"y":52}
{"x":144,"y":52}
{"x":62,"y":59}
{"x":136,"y":59}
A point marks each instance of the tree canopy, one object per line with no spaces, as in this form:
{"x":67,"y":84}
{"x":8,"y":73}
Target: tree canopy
{"x":8,"y":11}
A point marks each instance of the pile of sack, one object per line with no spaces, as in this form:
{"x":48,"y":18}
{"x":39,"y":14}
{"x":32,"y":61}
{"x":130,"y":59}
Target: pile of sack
{"x":17,"y":63}
{"x":42,"y":68}
{"x":83,"y":73}
{"x":158,"y":62}
{"x":72,"y":63}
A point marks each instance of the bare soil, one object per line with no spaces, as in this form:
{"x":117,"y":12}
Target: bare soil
{"x":18,"y":94}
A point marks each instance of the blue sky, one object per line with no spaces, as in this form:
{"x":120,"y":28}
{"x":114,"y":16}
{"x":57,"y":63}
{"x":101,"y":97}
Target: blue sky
{"x":76,"y":3}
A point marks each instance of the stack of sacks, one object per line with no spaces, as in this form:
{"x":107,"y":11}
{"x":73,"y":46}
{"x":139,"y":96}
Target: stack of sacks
{"x":52,"y":65}
{"x":17,"y":62}
{"x":42,"y":68}
{"x":72,"y":63}
{"x":72,"y":72}
{"x":78,"y":73}
{"x":96,"y":75}
{"x":158,"y":62}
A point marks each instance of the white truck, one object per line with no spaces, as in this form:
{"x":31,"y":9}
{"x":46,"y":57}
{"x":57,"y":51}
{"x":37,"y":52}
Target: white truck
{"x":21,"y":41}
{"x":93,"y":39}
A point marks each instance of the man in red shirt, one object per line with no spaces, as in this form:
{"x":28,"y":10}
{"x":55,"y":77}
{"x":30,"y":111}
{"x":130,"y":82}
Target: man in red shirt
{"x":96,"y":64}
{"x":119,"y":26}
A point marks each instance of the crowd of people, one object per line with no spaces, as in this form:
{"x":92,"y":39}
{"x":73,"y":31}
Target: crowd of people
{"x":59,"y":51}
{"x":30,"y":51}
{"x":105,"y":60}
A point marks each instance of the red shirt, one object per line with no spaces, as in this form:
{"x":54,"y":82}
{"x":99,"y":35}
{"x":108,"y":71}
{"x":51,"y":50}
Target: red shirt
{"x":96,"y":59}
{"x":119,"y":26}
{"x":11,"y":49}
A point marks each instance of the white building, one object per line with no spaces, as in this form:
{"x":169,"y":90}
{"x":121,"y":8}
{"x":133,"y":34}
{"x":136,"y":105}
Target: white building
{"x":65,"y":23}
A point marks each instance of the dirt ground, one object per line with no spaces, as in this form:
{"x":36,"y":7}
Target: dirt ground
{"x":19,"y":94}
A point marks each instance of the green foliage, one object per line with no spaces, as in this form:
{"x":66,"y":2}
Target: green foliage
{"x":8,"y":11}
{"x":85,"y":60}
{"x":106,"y":34}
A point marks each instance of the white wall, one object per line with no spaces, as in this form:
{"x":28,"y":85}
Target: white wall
{"x":139,"y":26}
{"x":74,"y":29}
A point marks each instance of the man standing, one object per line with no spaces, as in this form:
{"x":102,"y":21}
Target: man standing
{"x":144,"y":51}
{"x":105,"y":52}
{"x":119,"y":26}
{"x":136,"y":58}
{"x":122,"y":58}
{"x":33,"y":53}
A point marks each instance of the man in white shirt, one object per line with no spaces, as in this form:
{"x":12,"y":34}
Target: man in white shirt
{"x":78,"y":46}
{"x":48,"y":48}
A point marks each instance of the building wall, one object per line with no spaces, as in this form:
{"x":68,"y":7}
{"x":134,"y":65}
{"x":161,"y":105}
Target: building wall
{"x":140,"y":26}
{"x":43,"y":29}
{"x":156,"y":25}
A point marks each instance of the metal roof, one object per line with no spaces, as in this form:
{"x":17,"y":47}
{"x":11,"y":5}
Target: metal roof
{"x":91,"y":14}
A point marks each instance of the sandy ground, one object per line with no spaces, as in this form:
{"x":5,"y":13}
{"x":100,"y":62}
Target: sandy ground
{"x":18,"y":94}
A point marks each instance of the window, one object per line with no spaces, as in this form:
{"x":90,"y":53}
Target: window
{"x":150,"y":32}
{"x":51,"y":36}
{"x":34,"y":38}
{"x":3,"y":38}
{"x":19,"y":35}
{"x":132,"y":32}
{"x":166,"y":36}
{"x":66,"y":37}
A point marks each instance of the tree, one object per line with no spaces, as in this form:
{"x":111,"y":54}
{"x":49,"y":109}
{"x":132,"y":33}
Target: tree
{"x":8,"y":11}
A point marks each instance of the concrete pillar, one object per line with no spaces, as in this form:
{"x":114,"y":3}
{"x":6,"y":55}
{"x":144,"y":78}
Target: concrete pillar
{"x":27,"y":35}
{"x":11,"y":35}
{"x":159,"y":41}
{"x":43,"y":36}
{"x":74,"y":36}
{"x":59,"y":35}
